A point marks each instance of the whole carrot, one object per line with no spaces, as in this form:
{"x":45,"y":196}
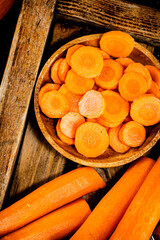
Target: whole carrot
{"x":108,"y":212}
{"x":49,"y":197}
{"x":55,"y":225}
{"x":143,"y":213}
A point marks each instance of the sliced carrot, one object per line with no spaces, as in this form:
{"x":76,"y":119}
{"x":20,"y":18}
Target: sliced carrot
{"x":87,"y":62}
{"x":142,"y":215}
{"x":91,"y":105}
{"x":54,"y":104}
{"x":104,"y":54}
{"x":50,"y":196}
{"x":55,"y":225}
{"x":70,"y":122}
{"x":63,"y":138}
{"x":91,"y":120}
{"x":77,"y":84}
{"x":154,"y":89}
{"x":91,"y":139}
{"x":109,"y":211}
{"x":47,"y":88}
{"x":107,"y":124}
{"x":132,"y":85}
{"x":116,"y":108}
{"x":73,"y":99}
{"x":54,"y":71}
{"x":64,"y":67}
{"x":146,"y":110}
{"x":114,"y":141}
{"x":124,"y":61}
{"x":140,"y":68}
{"x":110,"y":75}
{"x":70,"y":51}
{"x":132,"y":134}
{"x":117,"y":43}
{"x":155,"y":73}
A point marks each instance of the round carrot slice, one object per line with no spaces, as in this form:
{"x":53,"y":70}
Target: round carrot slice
{"x":70,"y":51}
{"x":117,"y":43}
{"x":132,"y":134}
{"x":91,"y":139}
{"x":54,"y":71}
{"x":47,"y":88}
{"x":63,"y":138}
{"x":87,"y":62}
{"x":110,"y":75}
{"x":146,"y":110}
{"x":91,"y":104}
{"x":63,"y":69}
{"x":124,"y":61}
{"x":155,"y":73}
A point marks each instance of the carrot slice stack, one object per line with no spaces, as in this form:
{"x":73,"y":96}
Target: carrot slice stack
{"x":47,"y":88}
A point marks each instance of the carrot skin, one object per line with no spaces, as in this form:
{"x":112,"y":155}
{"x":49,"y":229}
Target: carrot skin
{"x":112,"y":206}
{"x":143,"y":213}
{"x":49,"y":197}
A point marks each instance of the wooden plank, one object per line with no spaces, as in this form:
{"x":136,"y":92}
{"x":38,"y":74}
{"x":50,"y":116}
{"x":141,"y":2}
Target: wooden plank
{"x":142,"y":22}
{"x":19,"y":77}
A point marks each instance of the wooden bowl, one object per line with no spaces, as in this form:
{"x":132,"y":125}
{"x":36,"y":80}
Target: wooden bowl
{"x":109,"y":158}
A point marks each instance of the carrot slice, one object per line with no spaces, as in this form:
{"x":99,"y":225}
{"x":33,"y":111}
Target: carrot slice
{"x":114,"y":141}
{"x":142,"y":215}
{"x":104,"y":54}
{"x":54,"y":104}
{"x":139,"y":68}
{"x":116,"y":108}
{"x":124,"y":61}
{"x":154,"y":89}
{"x":132,"y":85}
{"x":117,"y":43}
{"x":47,"y":88}
{"x":132,"y":134}
{"x":63,"y":69}
{"x":91,"y":104}
{"x":50,"y":196}
{"x":110,"y":75}
{"x":54,"y":71}
{"x":119,"y":198}
{"x":70,"y":122}
{"x":77,"y":84}
{"x":63,"y":138}
{"x":107,"y":124}
{"x":73,"y":99}
{"x":70,"y":51}
{"x":146,"y":110}
{"x":155,"y":73}
{"x":87,"y":62}
{"x":91,"y":139}
{"x":55,"y":225}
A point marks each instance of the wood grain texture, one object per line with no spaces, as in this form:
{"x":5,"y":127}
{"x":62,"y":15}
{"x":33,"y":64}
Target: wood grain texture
{"x":142,"y":22}
{"x":19,"y":77}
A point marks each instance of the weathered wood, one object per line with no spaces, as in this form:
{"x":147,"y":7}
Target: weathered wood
{"x":19,"y":77}
{"x":142,"y":22}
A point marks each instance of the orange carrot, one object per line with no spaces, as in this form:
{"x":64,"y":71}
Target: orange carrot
{"x":143,"y":213}
{"x":77,"y":84}
{"x":110,"y":75}
{"x":132,"y":85}
{"x":114,"y":141}
{"x":70,"y":51}
{"x":70,"y":122}
{"x":104,"y":54}
{"x":55,"y":225}
{"x":155,"y":73}
{"x":47,"y":88}
{"x":132,"y":134}
{"x":117,"y":43}
{"x":154,"y":89}
{"x":108,"y":212}
{"x":73,"y":99}
{"x":91,"y":105}
{"x":87,"y":62}
{"x":146,"y":110}
{"x":116,"y":108}
{"x":124,"y":61}
{"x":63,"y":138}
{"x":91,"y":139}
{"x":54,"y":104}
{"x":63,"y":69}
{"x":54,"y":71}
{"x":107,"y":124}
{"x":50,"y":196}
{"x":139,"y":68}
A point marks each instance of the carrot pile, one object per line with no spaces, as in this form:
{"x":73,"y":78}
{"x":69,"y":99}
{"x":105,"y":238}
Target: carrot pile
{"x":104,"y":86}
